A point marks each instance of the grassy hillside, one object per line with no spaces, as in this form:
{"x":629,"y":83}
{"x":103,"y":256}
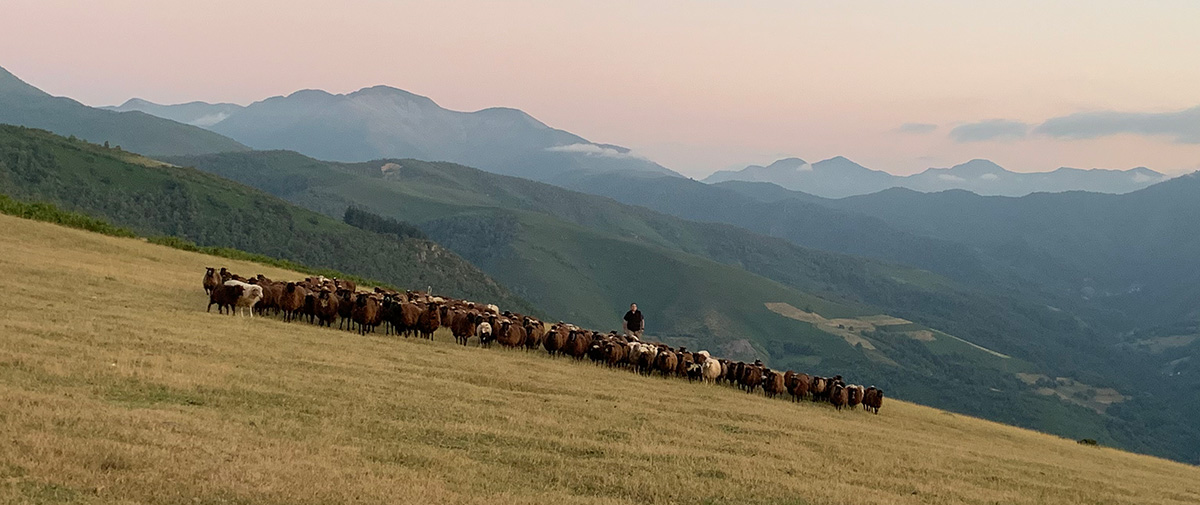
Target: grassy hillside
{"x":153,"y":198}
{"x":25,"y":105}
{"x":126,"y":391}
{"x":583,"y":258}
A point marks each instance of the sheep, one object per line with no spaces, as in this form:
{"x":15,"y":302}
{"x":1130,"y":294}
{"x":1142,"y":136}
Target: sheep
{"x":327,"y":309}
{"x":752,"y":376}
{"x":839,"y":396}
{"x":463,"y":326}
{"x":365,"y":312}
{"x":799,"y":386}
{"x":250,"y":296}
{"x":510,"y":335}
{"x":535,"y":333}
{"x":872,"y":399}
{"x":486,"y":336}
{"x":223,"y":297}
{"x":345,"y":308}
{"x":225,"y":275}
{"x":856,"y":394}
{"x":345,"y":284}
{"x":556,"y":338}
{"x":710,"y":370}
{"x":819,"y":388}
{"x":291,"y":301}
{"x":666,"y":362}
{"x":773,"y":384}
{"x":429,"y":321}
{"x":615,"y":353}
{"x":683,"y":362}
{"x":211,"y":280}
{"x":578,"y":343}
{"x":410,"y":315}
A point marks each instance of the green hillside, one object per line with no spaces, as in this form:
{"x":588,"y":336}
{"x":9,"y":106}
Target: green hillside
{"x":25,"y":105}
{"x":153,"y":198}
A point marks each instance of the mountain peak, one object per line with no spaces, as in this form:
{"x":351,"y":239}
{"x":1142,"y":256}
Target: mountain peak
{"x":383,"y":90}
{"x":13,"y":85}
{"x":977,"y":166}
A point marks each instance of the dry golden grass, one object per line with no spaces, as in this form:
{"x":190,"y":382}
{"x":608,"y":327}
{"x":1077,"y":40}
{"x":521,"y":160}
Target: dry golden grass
{"x":116,"y":387}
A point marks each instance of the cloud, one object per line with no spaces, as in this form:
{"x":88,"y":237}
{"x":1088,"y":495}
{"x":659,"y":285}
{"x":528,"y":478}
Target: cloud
{"x":991,"y":129}
{"x":916,"y":128}
{"x":1140,"y":177}
{"x":593,"y":150}
{"x":951,"y":178}
{"x":1183,"y":127}
{"x":209,"y":120}
{"x":807,"y":167}
{"x":989,"y":177}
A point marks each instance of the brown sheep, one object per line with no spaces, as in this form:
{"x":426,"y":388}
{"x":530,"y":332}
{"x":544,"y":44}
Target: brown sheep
{"x":856,"y":396}
{"x":752,"y":376}
{"x":463,"y":326}
{"x":872,"y":399}
{"x":211,"y":280}
{"x":225,"y":275}
{"x":291,"y":301}
{"x":429,"y":321}
{"x":365,"y":312}
{"x":535,"y":333}
{"x":773,"y":384}
{"x":510,"y":335}
{"x":819,"y":388}
{"x":327,"y":308}
{"x":346,"y":301}
{"x":224,"y":297}
{"x":614,"y":353}
{"x":345,"y":284}
{"x":839,"y":396}
{"x":556,"y":338}
{"x":666,"y":362}
{"x":410,"y":314}
{"x":578,"y":343}
{"x":272,"y":292}
{"x":800,"y":385}
{"x":683,"y":362}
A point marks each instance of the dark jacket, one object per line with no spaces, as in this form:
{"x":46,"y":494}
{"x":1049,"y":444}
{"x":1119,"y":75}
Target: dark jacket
{"x":634,"y":320}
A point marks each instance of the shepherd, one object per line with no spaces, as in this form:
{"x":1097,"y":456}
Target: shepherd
{"x":634,"y":322}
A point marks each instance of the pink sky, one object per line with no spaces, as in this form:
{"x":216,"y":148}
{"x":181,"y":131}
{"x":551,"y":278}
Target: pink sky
{"x":696,"y":85}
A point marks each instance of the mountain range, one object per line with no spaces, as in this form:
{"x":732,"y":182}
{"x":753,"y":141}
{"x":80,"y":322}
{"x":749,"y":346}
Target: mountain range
{"x":25,"y":105}
{"x":839,"y":177}
{"x":385,"y":122}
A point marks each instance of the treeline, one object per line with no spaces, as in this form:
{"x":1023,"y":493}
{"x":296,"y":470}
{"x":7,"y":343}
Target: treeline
{"x":364,"y":220}
{"x":50,"y":213}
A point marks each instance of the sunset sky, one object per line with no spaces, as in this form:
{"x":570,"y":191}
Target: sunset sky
{"x":696,"y":85}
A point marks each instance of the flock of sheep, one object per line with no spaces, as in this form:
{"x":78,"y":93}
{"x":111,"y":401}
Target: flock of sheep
{"x":327,"y":301}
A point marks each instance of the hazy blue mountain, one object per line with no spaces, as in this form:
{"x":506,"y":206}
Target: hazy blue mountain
{"x":200,"y":114}
{"x":24,"y":105}
{"x":833,"y":178}
{"x":840,"y":177}
{"x":385,"y":122}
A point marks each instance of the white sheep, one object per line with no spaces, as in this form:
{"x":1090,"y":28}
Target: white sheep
{"x":710,"y":370}
{"x":251,"y":295}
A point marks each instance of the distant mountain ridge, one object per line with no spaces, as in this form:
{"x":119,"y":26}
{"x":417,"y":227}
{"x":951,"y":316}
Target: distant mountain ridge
{"x":839,"y":178}
{"x":25,"y":105}
{"x":200,"y":114}
{"x":386,"y":122}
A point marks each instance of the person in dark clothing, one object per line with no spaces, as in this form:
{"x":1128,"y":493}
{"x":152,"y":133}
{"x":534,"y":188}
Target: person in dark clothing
{"x":634,"y":323}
